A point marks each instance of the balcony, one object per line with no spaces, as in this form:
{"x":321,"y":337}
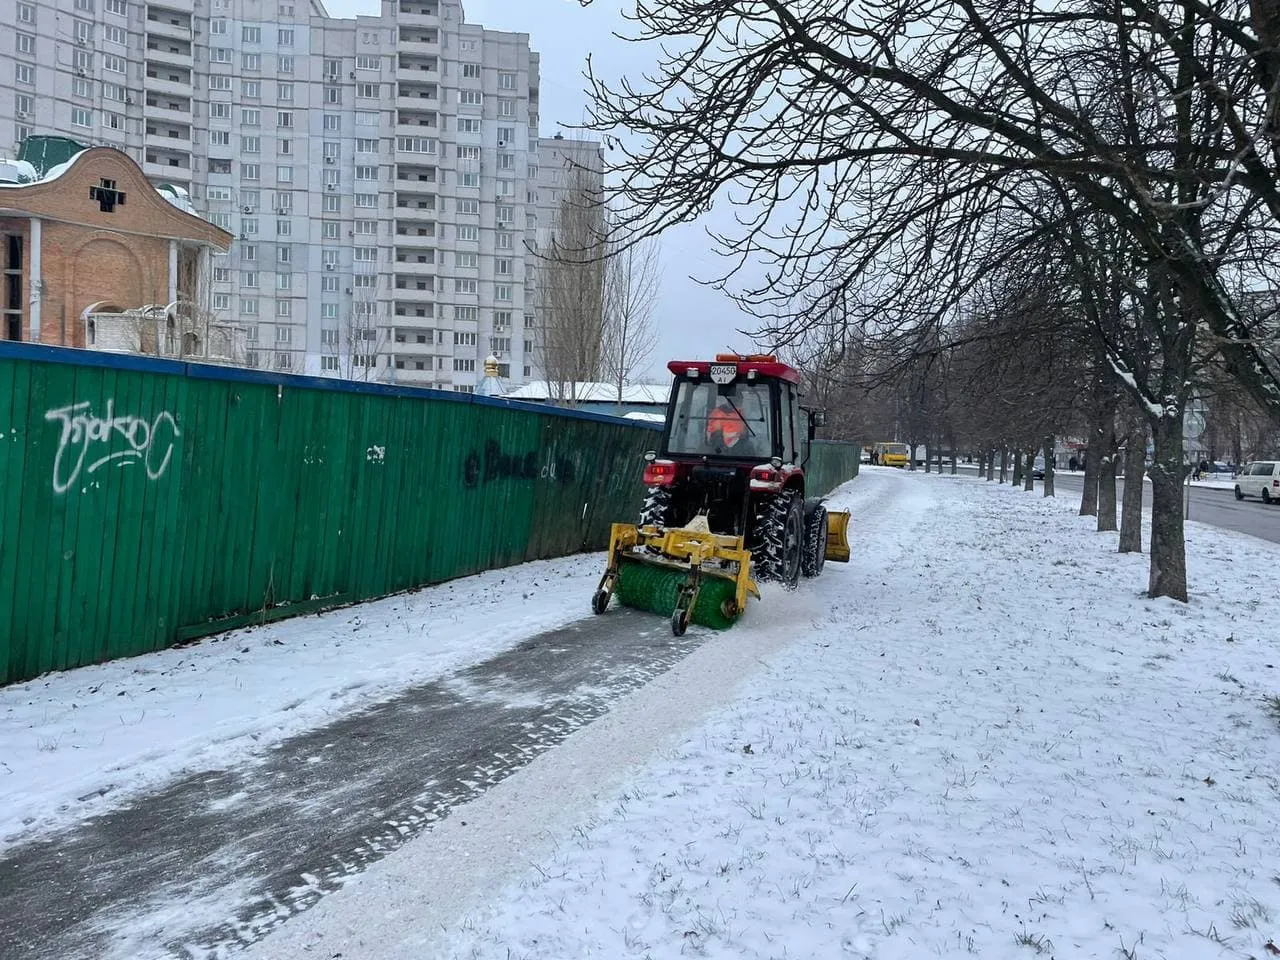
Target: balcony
{"x":420,"y":48}
{"x":411,"y":283}
{"x":416,"y":120}
{"x":163,"y":25}
{"x":411,"y":269}
{"x":166,"y":141}
{"x":166,"y":170}
{"x":162,"y":83}
{"x":415,"y":101}
{"x":170,"y":7}
{"x":422,"y":68}
{"x":164,"y":113}
{"x":412,"y":179}
{"x":416,"y":202}
{"x":169,"y":53}
{"x":417,"y":12}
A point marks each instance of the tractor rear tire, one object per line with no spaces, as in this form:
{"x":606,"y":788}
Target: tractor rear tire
{"x":779,"y":548}
{"x":656,"y":511}
{"x":815,"y":543}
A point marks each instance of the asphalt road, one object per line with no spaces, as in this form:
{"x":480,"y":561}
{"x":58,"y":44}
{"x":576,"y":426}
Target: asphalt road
{"x":220,"y":857}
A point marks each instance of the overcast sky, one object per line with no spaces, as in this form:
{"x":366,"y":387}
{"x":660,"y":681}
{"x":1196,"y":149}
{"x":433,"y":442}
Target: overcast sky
{"x":693,"y":321}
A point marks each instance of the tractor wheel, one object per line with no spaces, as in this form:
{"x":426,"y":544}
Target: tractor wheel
{"x":656,"y":511}
{"x":779,"y":539}
{"x":815,"y":543}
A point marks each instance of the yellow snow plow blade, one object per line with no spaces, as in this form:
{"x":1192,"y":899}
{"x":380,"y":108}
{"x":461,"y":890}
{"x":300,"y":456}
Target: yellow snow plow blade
{"x":837,"y":536}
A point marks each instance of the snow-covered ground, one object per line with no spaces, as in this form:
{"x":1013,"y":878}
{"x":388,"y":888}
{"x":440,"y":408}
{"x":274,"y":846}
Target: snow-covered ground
{"x":977,"y":738}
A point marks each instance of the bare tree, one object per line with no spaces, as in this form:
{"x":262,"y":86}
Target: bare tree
{"x":361,"y":340}
{"x":631,"y":275}
{"x":572,"y":287}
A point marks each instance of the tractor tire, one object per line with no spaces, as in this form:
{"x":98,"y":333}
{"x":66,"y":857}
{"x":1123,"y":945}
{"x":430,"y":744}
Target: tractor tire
{"x":656,"y":511}
{"x":779,"y":548}
{"x":815,"y":543}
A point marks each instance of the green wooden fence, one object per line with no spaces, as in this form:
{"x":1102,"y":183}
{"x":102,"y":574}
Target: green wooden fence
{"x":145,"y":502}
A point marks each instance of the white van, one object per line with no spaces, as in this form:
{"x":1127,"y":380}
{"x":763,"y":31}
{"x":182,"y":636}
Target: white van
{"x":1261,"y":478}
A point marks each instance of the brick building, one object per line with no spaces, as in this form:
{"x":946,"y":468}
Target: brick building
{"x":93,"y":233}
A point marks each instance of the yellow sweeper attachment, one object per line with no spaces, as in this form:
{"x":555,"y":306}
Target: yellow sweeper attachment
{"x":687,"y":573}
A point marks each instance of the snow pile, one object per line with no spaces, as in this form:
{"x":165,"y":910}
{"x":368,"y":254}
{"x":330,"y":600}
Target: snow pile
{"x":978,"y":738}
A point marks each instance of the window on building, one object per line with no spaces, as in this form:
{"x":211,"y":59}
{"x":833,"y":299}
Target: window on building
{"x":464,"y":366}
{"x":329,"y":311}
{"x":82,"y":88}
{"x":504,"y":241}
{"x":250,"y":117}
{"x":506,"y":188}
{"x":249,"y":226}
{"x":219,"y":166}
{"x":471,"y":71}
{"x":218,"y":27}
{"x":24,"y":73}
{"x":329,"y":230}
{"x":284,"y":91}
{"x":366,"y":145}
{"x":26,"y":44}
{"x":83,"y":32}
{"x":284,"y":36}
{"x":332,"y":121}
{"x":284,"y":253}
{"x":366,"y":228}
{"x":249,"y":252}
{"x":284,"y":174}
{"x":502,"y":266}
{"x":251,"y":89}
{"x":117,"y":35}
{"x":506,"y":81}
{"x":506,"y":108}
{"x":470,"y":207}
{"x":506,"y":136}
{"x":249,"y":305}
{"x":468,"y":125}
{"x":283,"y":334}
{"x":506,"y":214}
{"x":250,"y":171}
{"x":284,"y":118}
{"x":118,"y":8}
{"x":332,"y":69}
{"x":329,"y":284}
{"x":332,"y":203}
{"x":366,"y":118}
{"x":252,"y":61}
{"x":466,"y":232}
{"x":366,"y":254}
{"x":26,"y":13}
{"x":368,"y":62}
{"x":366,"y":172}
{"x":470,"y":98}
{"x":469,"y":260}
{"x":502,"y":292}
{"x":469,"y":179}
{"x":219,"y":54}
{"x":328,"y":363}
{"x":284,"y":361}
{"x":81,"y":117}
{"x":250,"y":34}
{"x":368,"y":91}
{"x":249,"y":144}
{"x":220,"y":83}
{"x":366,"y":199}
{"x":284,"y":281}
{"x":466,"y":313}
{"x":462,"y":285}
{"x":113,"y":64}
{"x":221,"y":301}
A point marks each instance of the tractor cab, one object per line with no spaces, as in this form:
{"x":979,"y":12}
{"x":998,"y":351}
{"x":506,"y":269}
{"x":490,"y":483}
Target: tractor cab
{"x":734,"y":408}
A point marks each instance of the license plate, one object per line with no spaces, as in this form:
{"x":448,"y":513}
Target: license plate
{"x":723,"y":372}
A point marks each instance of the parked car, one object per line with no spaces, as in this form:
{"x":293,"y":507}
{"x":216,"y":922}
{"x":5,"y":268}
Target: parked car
{"x":1260,"y":478}
{"x":1037,"y":468}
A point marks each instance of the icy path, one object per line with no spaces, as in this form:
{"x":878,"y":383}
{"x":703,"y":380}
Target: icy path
{"x":976,"y":739}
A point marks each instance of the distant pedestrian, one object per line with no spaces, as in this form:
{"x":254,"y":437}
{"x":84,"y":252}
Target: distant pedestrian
{"x":1073,"y":464}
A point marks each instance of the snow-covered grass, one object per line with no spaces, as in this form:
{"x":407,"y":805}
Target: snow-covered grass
{"x":72,"y":743}
{"x":978,"y":738}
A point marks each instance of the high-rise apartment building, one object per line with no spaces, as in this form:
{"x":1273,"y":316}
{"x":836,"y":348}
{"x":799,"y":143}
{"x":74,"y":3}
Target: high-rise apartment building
{"x":380,"y":174}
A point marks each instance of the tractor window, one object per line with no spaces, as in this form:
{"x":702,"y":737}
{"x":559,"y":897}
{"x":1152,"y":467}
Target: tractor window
{"x":722,"y":422}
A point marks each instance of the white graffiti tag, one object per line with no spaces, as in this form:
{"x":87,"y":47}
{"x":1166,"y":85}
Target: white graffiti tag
{"x":150,"y":444}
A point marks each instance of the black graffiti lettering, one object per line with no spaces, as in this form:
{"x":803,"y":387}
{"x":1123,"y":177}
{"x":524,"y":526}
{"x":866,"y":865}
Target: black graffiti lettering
{"x":494,"y":464}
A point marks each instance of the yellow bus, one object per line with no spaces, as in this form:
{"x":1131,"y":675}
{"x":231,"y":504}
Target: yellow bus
{"x":890,"y":454}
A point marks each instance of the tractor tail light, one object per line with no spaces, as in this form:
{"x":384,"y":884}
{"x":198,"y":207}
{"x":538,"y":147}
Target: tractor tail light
{"x":659,"y":473}
{"x":766,"y":478}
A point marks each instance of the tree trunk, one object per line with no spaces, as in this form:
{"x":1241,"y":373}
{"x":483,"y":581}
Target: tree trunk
{"x":1107,"y":477}
{"x":1004,"y":464}
{"x":1168,"y":548}
{"x":1048,"y":466}
{"x":1135,"y":461}
{"x":1017,"y":468}
{"x":1089,"y":498}
{"x":1029,"y":476}
{"x":991,"y":465}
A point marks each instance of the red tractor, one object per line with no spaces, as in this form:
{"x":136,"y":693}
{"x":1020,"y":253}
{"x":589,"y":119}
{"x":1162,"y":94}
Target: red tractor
{"x":727,"y":504}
